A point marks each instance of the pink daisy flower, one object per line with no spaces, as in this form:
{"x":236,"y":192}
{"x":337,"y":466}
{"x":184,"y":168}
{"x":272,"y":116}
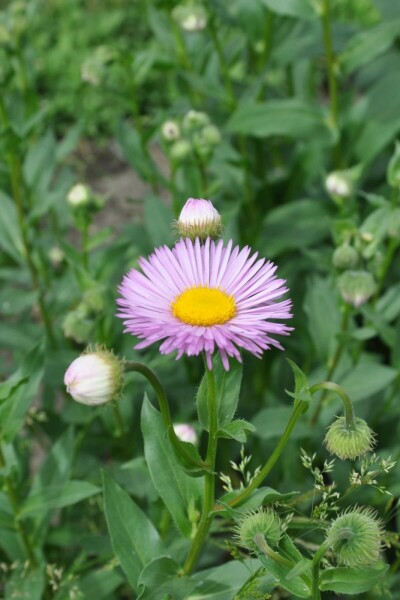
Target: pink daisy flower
{"x":202,"y":298}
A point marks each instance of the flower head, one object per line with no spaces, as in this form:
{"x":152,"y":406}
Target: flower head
{"x":94,"y":378}
{"x":199,"y":218}
{"x":264,"y":523}
{"x":186,"y":433}
{"x":202,"y":298}
{"x":356,"y":537}
{"x":349,"y":442}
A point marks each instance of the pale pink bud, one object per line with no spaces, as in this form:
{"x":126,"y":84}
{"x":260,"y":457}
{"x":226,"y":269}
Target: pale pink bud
{"x":199,"y":218}
{"x":186,"y":433}
{"x":94,"y":378}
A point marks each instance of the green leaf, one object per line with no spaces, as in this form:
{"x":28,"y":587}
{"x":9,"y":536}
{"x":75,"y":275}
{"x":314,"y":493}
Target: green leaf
{"x":225,"y":581}
{"x":177,"y":490}
{"x":227,"y":390}
{"x":162,"y":577}
{"x":98,"y":584}
{"x":270,"y":423}
{"x":40,"y":162}
{"x":135,"y":152}
{"x":10,"y":235}
{"x":158,"y":220}
{"x":309,"y":224}
{"x":258,"y":498}
{"x":351,"y":581}
{"x":302,"y":9}
{"x":366,"y":379}
{"x":294,"y":585}
{"x":23,"y":389}
{"x":368,"y":45}
{"x":320,"y":301}
{"x":301,"y":386}
{"x":57,"y":496}
{"x":25,"y":584}
{"x":293,"y":118}
{"x":134,"y":538}
{"x":236,"y":430}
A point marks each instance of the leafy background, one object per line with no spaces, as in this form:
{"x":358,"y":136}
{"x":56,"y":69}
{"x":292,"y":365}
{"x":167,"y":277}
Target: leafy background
{"x":85,"y":89}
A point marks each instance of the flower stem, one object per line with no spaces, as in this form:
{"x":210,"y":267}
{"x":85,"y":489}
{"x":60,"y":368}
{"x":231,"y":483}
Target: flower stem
{"x":118,"y":419}
{"x":298,"y":410}
{"x":334,"y":363}
{"x":209,"y":477}
{"x":331,"y":67}
{"x":17,"y":187}
{"x":13,"y":499}
{"x":329,"y":386}
{"x":165,"y":410}
{"x":316,"y":594}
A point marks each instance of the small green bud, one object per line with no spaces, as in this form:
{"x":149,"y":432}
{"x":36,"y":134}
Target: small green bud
{"x":393,"y":171}
{"x":264,"y":522}
{"x":180,"y":150}
{"x":93,"y":299}
{"x":356,"y":537}
{"x":345,"y":257}
{"x":356,"y":287}
{"x":194,"y":120}
{"x":349,"y":442}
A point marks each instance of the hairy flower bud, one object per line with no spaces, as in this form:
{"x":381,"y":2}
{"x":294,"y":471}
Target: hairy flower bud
{"x":170,"y":131}
{"x":356,"y":537}
{"x":349,"y":442}
{"x":79,"y":195}
{"x":200,"y":219}
{"x":265,"y":523}
{"x":191,"y":17}
{"x":94,"y":378}
{"x":356,"y":287}
{"x":345,"y":257}
{"x":185,"y":432}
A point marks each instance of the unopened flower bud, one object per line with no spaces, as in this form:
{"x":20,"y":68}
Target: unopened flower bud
{"x":56,"y":256}
{"x":194,"y":120}
{"x":95,"y":377}
{"x":349,"y":442}
{"x":170,"y":131}
{"x":206,"y":139}
{"x":345,"y":257}
{"x":180,"y":150}
{"x":393,"y":172}
{"x":339,"y":184}
{"x":356,"y":537}
{"x":79,"y":195}
{"x":264,"y":523}
{"x":356,"y":287}
{"x":186,"y":433}
{"x":191,"y":17}
{"x":200,"y":219}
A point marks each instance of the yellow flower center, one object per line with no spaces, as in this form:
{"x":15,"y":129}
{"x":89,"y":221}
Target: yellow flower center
{"x":204,"y":306}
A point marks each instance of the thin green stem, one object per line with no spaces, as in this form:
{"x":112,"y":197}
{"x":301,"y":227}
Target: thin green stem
{"x":318,"y":556}
{"x":329,"y":386}
{"x":118,"y":419}
{"x":85,"y":245}
{"x":334,"y":362}
{"x":331,"y":68}
{"x":165,"y":411}
{"x":16,"y":179}
{"x":13,"y":499}
{"x":209,"y":477}
{"x":298,"y":410}
{"x":230,"y":93}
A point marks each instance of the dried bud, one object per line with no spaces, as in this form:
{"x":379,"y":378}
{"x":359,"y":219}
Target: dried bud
{"x":356,"y":287}
{"x":79,"y":195}
{"x":265,"y":523}
{"x":356,"y":537}
{"x":200,"y":219}
{"x":345,"y":257}
{"x":170,"y":131}
{"x":95,"y":377}
{"x":349,"y":442}
{"x":185,"y":432}
{"x":191,"y":17}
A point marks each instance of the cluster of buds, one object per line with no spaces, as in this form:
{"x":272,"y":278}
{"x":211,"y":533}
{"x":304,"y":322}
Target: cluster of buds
{"x":191,"y":136}
{"x":190,"y":17}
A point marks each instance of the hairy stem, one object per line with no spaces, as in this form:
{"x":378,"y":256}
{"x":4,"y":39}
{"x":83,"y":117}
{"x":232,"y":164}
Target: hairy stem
{"x":329,"y":386}
{"x":209,"y":478}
